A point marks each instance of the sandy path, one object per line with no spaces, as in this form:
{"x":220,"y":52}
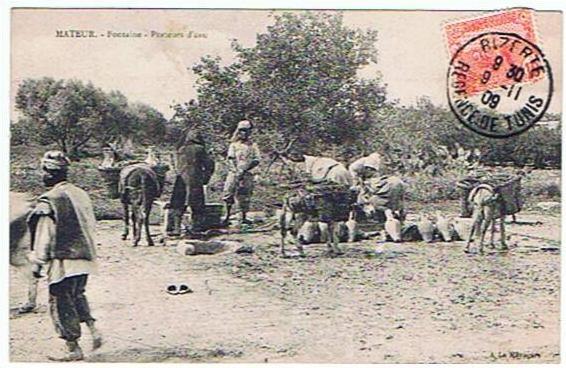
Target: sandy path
{"x":415,"y":303}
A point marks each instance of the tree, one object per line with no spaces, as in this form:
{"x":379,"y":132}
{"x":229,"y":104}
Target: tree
{"x":117,"y":120}
{"x":75,"y":114}
{"x":66,"y":113}
{"x":298,"y":81}
{"x":72,"y":114}
{"x":149,"y":125}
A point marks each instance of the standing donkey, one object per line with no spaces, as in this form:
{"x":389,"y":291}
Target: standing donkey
{"x":138,"y":187}
{"x":490,"y":203}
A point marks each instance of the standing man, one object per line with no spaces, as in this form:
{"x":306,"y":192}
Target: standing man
{"x":62,"y":227}
{"x":195,"y":168}
{"x":243,"y":156}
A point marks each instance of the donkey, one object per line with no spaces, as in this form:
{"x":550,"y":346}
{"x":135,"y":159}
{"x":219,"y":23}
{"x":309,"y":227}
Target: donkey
{"x":317,"y":169}
{"x":487,"y":207}
{"x":490,"y":203}
{"x":138,"y":187}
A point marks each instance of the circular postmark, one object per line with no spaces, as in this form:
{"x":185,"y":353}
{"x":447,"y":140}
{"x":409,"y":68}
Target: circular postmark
{"x":499,"y":84}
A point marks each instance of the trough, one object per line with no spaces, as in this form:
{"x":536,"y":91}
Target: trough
{"x":213,"y":215}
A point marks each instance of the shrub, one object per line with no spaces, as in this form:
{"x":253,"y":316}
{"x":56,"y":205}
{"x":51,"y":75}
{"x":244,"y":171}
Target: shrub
{"x":542,"y":184}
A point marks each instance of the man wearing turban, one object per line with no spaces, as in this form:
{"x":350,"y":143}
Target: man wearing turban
{"x":243,"y":156}
{"x":62,"y":227}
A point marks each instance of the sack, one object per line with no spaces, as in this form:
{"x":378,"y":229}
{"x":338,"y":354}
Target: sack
{"x":323,"y":201}
{"x":511,"y":197}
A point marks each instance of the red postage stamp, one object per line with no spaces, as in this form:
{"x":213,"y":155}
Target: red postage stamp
{"x":499,"y":81}
{"x":517,"y":21}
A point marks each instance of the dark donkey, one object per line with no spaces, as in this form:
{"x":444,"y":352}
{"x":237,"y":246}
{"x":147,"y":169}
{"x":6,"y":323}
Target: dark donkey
{"x":139,"y":187}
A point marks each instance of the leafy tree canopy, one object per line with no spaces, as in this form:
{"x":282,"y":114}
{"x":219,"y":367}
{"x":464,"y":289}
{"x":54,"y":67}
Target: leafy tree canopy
{"x":72,"y":114}
{"x":300,"y":80}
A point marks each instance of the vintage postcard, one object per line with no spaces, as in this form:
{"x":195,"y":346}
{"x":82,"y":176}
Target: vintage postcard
{"x":285,"y":186}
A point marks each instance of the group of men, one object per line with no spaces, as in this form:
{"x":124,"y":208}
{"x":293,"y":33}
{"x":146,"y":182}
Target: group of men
{"x":195,"y":167}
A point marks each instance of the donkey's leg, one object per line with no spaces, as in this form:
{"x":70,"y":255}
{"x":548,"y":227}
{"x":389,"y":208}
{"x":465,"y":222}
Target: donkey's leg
{"x":146,"y":223}
{"x":502,"y":232}
{"x":492,"y":240}
{"x":135,"y":227}
{"x":487,"y":220}
{"x":476,"y":221}
{"x":126,"y":221}
{"x":299,"y":221}
{"x":139,"y":226}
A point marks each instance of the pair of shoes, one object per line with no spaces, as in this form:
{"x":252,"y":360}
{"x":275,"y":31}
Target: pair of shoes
{"x":176,"y":289}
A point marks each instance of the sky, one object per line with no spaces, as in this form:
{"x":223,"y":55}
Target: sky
{"x":412,"y":60}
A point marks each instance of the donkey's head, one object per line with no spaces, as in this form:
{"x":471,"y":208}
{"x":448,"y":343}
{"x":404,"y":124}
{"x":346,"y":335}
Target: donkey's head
{"x":286,"y":155}
{"x":109,"y":157}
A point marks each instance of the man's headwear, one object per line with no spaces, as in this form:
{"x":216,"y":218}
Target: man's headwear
{"x":194,"y":136}
{"x":242,"y":125}
{"x":55,"y":161}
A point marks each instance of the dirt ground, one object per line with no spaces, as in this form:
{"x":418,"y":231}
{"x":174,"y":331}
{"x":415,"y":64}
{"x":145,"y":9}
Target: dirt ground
{"x":415,"y":302}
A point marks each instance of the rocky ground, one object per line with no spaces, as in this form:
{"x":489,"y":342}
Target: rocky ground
{"x":414,"y":302}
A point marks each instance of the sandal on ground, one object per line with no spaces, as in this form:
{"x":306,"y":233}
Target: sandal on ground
{"x":177,"y":289}
{"x":172,"y":289}
{"x":184,"y":289}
